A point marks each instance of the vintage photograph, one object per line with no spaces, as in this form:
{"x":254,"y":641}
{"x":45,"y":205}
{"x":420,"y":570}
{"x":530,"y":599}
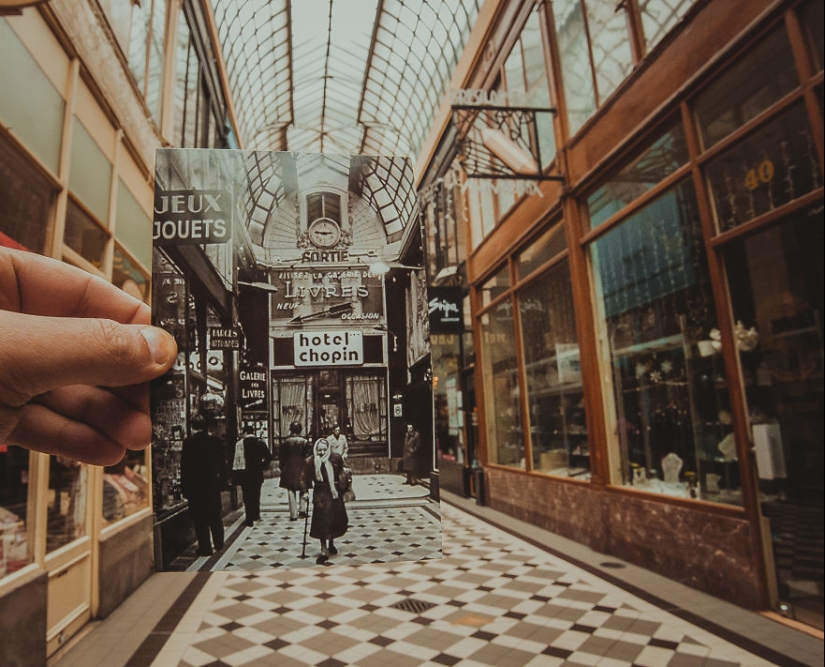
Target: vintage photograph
{"x":296,"y":427}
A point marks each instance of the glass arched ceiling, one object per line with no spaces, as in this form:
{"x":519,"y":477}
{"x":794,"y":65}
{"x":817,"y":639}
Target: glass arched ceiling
{"x":340,"y":76}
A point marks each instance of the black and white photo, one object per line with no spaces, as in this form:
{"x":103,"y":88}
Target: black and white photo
{"x":295,"y":288}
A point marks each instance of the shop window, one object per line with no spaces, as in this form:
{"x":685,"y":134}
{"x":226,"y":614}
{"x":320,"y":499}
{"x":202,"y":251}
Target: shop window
{"x":776,"y":279}
{"x":525,"y":73}
{"x":133,"y":228}
{"x":594,"y":47}
{"x":444,"y":221}
{"x":292,"y":402}
{"x":776,"y":285}
{"x":558,"y":428}
{"x":609,"y":44}
{"x":672,"y":417}
{"x":495,"y":286}
{"x":84,"y":235}
{"x":659,"y":16}
{"x":169,"y":411}
{"x":15,"y":542}
{"x":447,"y":397}
{"x":577,"y":76}
{"x":127,"y":275}
{"x":505,"y":435}
{"x":26,"y":201}
{"x":756,"y":82}
{"x":146,"y":53}
{"x":30,"y":104}
{"x":542,"y":249}
{"x":125,"y":487}
{"x":66,"y":518}
{"x":367,"y":407}
{"x":654,"y":163}
{"x":775,"y":165}
{"x":90,"y":177}
{"x":811,"y":15}
{"x":187,"y":76}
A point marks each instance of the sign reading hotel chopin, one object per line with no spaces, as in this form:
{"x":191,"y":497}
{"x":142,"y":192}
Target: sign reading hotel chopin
{"x":329,"y":348}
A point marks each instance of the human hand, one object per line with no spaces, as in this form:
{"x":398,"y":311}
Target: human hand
{"x":76,"y":356}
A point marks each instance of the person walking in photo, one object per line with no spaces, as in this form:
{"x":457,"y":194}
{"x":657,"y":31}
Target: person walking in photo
{"x":293,"y":453}
{"x":255,"y":457}
{"x":338,"y":442}
{"x":203,"y":475}
{"x":412,"y":443}
{"x":323,"y":472}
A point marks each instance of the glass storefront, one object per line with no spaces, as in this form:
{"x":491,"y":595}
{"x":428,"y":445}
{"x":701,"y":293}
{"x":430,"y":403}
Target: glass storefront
{"x":15,"y":526}
{"x":672,"y":415}
{"x":558,"y":428}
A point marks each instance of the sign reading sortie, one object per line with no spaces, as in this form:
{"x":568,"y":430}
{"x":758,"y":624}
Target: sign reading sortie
{"x":329,"y":348}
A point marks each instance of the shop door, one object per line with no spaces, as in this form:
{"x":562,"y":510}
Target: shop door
{"x":328,"y":403}
{"x":68,"y":550}
{"x":776,"y":286}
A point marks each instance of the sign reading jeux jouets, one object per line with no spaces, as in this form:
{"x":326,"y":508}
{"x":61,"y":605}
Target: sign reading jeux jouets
{"x":191,"y":217}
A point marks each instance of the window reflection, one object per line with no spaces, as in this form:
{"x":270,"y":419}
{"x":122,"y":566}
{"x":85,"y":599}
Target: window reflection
{"x":15,"y":542}
{"x":125,"y":487}
{"x":67,"y":502}
{"x":26,"y":201}
{"x":84,"y":235}
{"x":659,"y":16}
{"x":655,"y":162}
{"x":747,"y":89}
{"x":775,"y":165}
{"x":540,"y":251}
{"x":577,"y":78}
{"x":495,"y":286}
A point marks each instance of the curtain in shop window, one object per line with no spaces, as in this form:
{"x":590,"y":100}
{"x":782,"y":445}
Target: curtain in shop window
{"x":366,"y":424}
{"x":293,"y":404}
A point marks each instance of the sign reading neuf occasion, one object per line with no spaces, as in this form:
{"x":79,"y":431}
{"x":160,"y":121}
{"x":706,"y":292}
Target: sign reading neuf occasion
{"x":192,"y":217}
{"x":329,"y":348}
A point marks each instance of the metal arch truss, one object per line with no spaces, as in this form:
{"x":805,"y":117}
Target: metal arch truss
{"x":500,"y":142}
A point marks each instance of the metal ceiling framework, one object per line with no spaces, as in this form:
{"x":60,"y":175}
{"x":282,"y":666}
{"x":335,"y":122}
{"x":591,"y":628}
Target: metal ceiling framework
{"x":340,"y":76}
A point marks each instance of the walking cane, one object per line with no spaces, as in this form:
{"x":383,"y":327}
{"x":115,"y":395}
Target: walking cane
{"x":306,"y":522}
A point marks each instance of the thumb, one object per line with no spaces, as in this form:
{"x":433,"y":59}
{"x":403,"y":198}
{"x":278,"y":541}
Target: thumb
{"x":39,"y":353}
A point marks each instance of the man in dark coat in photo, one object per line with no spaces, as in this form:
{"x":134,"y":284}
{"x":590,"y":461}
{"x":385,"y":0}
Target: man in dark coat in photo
{"x":412,"y":457}
{"x":203,"y":475}
{"x":293,"y":452}
{"x":255,"y":457}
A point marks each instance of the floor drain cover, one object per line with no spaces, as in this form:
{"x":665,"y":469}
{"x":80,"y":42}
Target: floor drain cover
{"x":413,"y":606}
{"x":613,"y":565}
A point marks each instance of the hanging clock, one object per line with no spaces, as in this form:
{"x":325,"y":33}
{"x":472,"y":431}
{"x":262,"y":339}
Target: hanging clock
{"x":324,"y":233}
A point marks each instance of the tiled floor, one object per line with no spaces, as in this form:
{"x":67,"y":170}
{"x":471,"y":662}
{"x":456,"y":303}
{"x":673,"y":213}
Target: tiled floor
{"x":494,"y":599}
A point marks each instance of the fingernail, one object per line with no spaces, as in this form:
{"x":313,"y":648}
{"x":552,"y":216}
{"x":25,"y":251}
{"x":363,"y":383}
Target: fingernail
{"x":160,"y":344}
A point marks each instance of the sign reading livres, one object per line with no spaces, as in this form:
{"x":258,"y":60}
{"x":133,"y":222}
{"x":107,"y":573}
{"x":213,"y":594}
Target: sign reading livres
{"x":253,"y":388}
{"x":192,"y":217}
{"x":329,"y":348}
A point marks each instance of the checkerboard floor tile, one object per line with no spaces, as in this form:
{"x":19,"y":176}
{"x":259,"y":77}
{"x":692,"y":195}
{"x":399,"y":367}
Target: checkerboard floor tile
{"x":492,"y":600}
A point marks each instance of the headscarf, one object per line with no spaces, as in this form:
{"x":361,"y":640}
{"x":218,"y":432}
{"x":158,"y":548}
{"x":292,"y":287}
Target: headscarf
{"x":323,"y":460}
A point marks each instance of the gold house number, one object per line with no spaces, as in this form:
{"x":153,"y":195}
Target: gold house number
{"x":762,"y":174}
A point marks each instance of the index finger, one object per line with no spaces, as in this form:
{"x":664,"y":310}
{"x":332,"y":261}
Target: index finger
{"x":37,"y":285}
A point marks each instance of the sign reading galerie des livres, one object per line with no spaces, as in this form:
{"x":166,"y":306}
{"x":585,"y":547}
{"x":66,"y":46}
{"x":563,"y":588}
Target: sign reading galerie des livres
{"x":192,"y":217}
{"x":329,"y":348}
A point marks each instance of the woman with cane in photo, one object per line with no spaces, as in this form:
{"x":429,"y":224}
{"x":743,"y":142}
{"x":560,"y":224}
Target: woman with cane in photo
{"x":324,"y":473}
